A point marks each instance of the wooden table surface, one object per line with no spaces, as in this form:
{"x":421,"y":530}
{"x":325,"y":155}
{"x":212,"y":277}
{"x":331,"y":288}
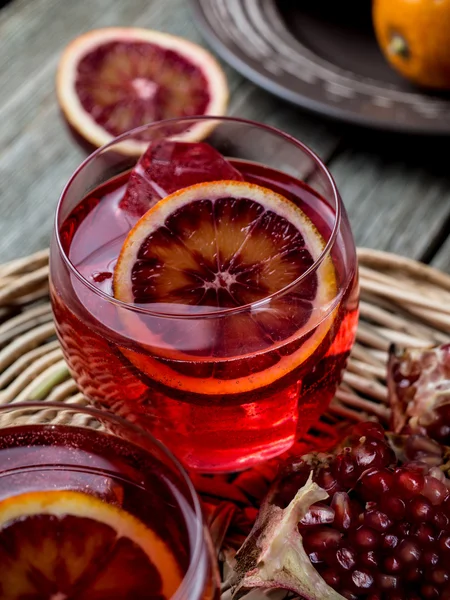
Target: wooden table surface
{"x":396,"y":188}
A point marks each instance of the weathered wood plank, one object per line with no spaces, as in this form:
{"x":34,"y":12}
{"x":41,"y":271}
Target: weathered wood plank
{"x":396,"y":190}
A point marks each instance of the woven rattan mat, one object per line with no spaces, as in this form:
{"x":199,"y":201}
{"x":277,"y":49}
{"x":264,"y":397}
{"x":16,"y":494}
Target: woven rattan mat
{"x":402,"y":302}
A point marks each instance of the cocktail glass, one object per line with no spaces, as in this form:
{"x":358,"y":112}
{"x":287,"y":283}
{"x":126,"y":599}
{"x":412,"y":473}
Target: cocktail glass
{"x":219,"y":401}
{"x":53,"y":447}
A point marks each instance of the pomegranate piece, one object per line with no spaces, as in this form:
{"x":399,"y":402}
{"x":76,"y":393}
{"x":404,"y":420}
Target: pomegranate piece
{"x":419,"y":391}
{"x":381,"y":529}
{"x":168,"y":166}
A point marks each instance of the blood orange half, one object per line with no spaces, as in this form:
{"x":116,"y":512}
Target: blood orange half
{"x":115,"y":79}
{"x":61,"y":544}
{"x":225,"y":245}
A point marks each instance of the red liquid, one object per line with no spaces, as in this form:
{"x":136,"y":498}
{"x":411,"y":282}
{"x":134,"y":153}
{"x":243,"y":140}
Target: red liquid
{"x":57,"y":457}
{"x":106,"y":351}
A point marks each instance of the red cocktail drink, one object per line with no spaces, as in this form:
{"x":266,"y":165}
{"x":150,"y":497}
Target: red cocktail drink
{"x":92,"y":507}
{"x":226,"y":324}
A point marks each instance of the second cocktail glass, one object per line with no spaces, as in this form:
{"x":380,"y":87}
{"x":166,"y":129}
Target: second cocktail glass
{"x":236,"y":341}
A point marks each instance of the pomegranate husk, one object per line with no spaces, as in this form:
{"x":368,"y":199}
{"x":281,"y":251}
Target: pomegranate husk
{"x":418,"y":384}
{"x":416,"y":447}
{"x":273,"y":555}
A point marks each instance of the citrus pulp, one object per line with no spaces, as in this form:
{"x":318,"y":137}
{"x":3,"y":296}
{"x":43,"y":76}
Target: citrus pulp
{"x":64,"y":544}
{"x":115,"y":79}
{"x":226,"y":246}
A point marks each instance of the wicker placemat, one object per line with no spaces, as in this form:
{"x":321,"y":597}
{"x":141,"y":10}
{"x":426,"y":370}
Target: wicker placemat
{"x":402,"y":301}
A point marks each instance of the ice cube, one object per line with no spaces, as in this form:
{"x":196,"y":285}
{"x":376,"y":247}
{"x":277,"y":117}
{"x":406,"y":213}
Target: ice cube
{"x":169,"y":166}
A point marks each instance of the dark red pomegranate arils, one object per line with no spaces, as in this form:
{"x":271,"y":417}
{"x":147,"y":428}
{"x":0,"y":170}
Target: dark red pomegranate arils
{"x":168,"y":166}
{"x":378,"y":529}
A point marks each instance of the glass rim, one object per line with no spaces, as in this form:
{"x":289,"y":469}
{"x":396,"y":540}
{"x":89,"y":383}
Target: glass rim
{"x":136,"y":308}
{"x":199,"y":542}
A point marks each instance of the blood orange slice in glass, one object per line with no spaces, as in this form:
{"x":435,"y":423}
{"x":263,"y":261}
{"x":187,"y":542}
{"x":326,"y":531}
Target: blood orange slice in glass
{"x":115,"y":79}
{"x":225,"y":245}
{"x":62,"y":544}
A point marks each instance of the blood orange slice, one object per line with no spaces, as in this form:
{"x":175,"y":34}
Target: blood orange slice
{"x":60,"y":545}
{"x":114,"y":79}
{"x":222,"y":245}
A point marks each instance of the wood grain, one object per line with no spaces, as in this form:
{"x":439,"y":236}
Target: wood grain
{"x":396,"y":190}
{"x":396,"y":196}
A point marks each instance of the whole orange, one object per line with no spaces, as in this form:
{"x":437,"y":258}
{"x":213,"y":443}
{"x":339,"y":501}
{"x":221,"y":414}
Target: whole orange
{"x":414,"y":36}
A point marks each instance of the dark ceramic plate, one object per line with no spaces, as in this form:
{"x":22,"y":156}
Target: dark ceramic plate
{"x":320,"y":58}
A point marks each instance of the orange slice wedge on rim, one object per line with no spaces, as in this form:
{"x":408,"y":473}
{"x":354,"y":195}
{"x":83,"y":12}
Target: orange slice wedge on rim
{"x":63,"y":544}
{"x":225,"y":245}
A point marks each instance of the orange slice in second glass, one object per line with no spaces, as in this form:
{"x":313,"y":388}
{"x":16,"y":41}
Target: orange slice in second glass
{"x":63,"y":544}
{"x":218,"y":246}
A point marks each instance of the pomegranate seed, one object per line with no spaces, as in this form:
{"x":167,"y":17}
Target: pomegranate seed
{"x":444,"y":542}
{"x":439,"y":428}
{"x":377,"y":520}
{"x":429,"y":558}
{"x":372,"y":453}
{"x":424,"y":533}
{"x":377,"y":482}
{"x":408,"y":552}
{"x":440,"y":520}
{"x":434,"y":490}
{"x":344,"y":468}
{"x":346,"y":558}
{"x":392,"y":564}
{"x":327,"y":481}
{"x":331,"y":577}
{"x":389,"y":541}
{"x":439,"y":576}
{"x":395,"y":508}
{"x":321,"y":539}
{"x":446,"y":507}
{"x":408,"y":483}
{"x":413,"y":574}
{"x":342,"y":511}
{"x":369,"y":559}
{"x":440,"y":432}
{"x":365,"y":538}
{"x":402,"y":529}
{"x":387,"y":582}
{"x":429,"y":592}
{"x":290,"y":482}
{"x":315,"y":558}
{"x":420,"y":509}
{"x":318,"y":514}
{"x":369,"y":429}
{"x":445,"y":593}
{"x":349,"y":595}
{"x":362,"y":580}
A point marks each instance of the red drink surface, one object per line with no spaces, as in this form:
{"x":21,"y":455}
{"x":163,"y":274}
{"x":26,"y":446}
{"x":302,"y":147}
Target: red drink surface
{"x":37,"y":458}
{"x":108,"y":357}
